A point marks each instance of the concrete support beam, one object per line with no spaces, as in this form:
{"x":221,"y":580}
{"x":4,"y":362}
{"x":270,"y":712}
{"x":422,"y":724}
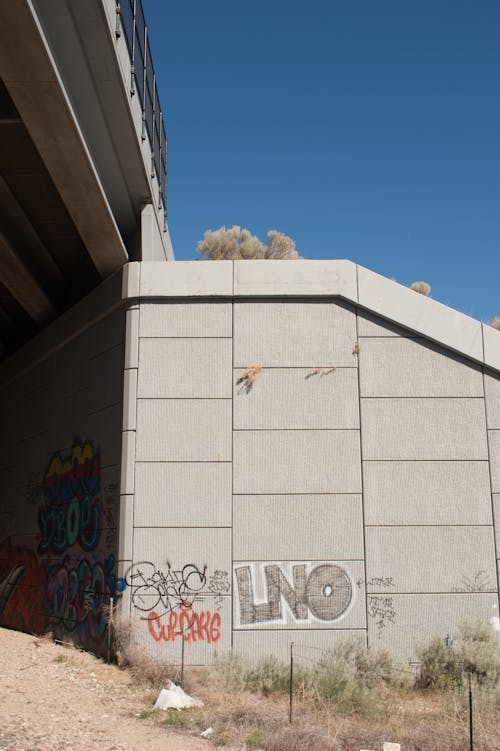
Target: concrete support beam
{"x":31,"y":77}
{"x":22,"y":285}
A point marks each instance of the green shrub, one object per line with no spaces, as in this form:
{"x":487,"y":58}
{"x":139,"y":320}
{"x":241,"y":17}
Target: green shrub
{"x":478,"y":651}
{"x":475,"y":650}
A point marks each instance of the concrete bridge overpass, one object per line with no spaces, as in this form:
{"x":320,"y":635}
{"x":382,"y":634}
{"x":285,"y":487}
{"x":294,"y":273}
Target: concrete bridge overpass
{"x":83,"y":155}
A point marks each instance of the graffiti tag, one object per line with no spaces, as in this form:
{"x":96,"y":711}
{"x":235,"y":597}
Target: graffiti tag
{"x":323,"y":591}
{"x":155,"y":589}
{"x":186,"y":624}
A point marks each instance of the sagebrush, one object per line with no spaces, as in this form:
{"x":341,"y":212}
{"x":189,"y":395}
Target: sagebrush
{"x":235,"y":244}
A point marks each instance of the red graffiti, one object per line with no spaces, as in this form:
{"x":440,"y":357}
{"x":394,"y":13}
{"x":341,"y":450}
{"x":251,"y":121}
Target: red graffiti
{"x":22,"y":589}
{"x":204,"y":626}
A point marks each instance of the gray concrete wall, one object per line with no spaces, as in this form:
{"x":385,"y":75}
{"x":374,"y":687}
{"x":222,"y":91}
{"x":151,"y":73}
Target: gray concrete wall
{"x":60,"y":434}
{"x":352,"y":488}
{"x":346,"y":491}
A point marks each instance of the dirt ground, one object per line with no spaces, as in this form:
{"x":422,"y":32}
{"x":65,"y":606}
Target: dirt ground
{"x":54,"y":697}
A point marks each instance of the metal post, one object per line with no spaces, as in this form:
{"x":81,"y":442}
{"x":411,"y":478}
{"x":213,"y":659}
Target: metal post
{"x":291,"y":682}
{"x":110,"y":626}
{"x":182,"y":660}
{"x":118,"y":30}
{"x":471,"y":736}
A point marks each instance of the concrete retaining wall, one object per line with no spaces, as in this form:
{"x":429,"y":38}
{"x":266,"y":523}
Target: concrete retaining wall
{"x":348,"y":484}
{"x":347,"y":491}
{"x":60,"y":425}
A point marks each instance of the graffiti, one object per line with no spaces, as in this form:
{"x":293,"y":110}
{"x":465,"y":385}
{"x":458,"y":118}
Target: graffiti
{"x":77,"y":590}
{"x":478,"y":583}
{"x":151,"y":588}
{"x":382,"y":610}
{"x":383,"y":582}
{"x":72,"y":510}
{"x":219,"y":585}
{"x":110,"y":497}
{"x":22,"y":588}
{"x":323,"y":591}
{"x":186,"y":624}
{"x":9,"y":583}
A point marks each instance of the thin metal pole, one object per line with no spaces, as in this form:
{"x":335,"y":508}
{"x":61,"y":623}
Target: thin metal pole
{"x":110,"y":626}
{"x":291,"y":682}
{"x":182,"y":659}
{"x":471,"y":735}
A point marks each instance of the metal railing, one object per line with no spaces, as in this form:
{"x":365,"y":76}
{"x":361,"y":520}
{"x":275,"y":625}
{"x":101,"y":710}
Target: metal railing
{"x":131,"y":22}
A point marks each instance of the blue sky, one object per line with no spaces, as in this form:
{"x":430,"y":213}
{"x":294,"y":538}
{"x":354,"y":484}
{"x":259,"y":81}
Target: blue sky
{"x":364,"y":130}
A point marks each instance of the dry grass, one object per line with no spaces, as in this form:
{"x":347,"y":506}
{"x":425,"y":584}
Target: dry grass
{"x":350,"y":700}
{"x":496,"y":324}
{"x":133,"y":656}
{"x":248,"y":377}
{"x":320,"y":371}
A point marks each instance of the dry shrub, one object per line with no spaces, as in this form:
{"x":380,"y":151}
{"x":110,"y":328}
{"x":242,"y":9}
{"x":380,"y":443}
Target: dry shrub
{"x":281,"y":247}
{"x":239,"y":244}
{"x":129,"y":654}
{"x":423,"y":288}
{"x":300,"y":739}
{"x":230,"y":244}
{"x":496,"y":323}
{"x":248,"y":377}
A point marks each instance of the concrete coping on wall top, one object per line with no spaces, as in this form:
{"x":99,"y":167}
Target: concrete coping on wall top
{"x":191,"y":280}
{"x":344,"y":279}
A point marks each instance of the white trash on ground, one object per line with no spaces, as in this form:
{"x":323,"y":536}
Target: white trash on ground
{"x":173,"y":697}
{"x":207,"y":733}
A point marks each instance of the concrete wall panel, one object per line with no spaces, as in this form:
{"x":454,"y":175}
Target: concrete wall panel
{"x":430,"y":559}
{"x":298,"y":595}
{"x":207,"y":628}
{"x":294,"y":334}
{"x":496,"y":516}
{"x":174,"y":548}
{"x":318,"y":527}
{"x":309,"y":648}
{"x":492,"y":396}
{"x":308,"y":461}
{"x":185,"y":368}
{"x":494,"y":441}
{"x":427,"y":492}
{"x":410,"y":367}
{"x":400,"y":622}
{"x":297,"y":398}
{"x":172,"y":319}
{"x":172,"y":495}
{"x":370,"y":325}
{"x":423,"y":429}
{"x":183,"y":430}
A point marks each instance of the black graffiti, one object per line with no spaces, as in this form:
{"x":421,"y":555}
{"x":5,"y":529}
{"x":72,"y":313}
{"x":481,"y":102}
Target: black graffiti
{"x":382,"y":610}
{"x":381,"y":581}
{"x":480,"y":582}
{"x":326,"y":592}
{"x":155,"y":589}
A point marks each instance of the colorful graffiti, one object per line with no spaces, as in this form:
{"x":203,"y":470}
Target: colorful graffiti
{"x":311,"y":591}
{"x":22,"y":588}
{"x":72,"y":509}
{"x":78,"y":591}
{"x":186,"y":624}
{"x":64,"y":582}
{"x":168,"y":596}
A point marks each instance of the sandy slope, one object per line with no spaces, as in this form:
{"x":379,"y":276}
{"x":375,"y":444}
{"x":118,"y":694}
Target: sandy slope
{"x":54,"y":697}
